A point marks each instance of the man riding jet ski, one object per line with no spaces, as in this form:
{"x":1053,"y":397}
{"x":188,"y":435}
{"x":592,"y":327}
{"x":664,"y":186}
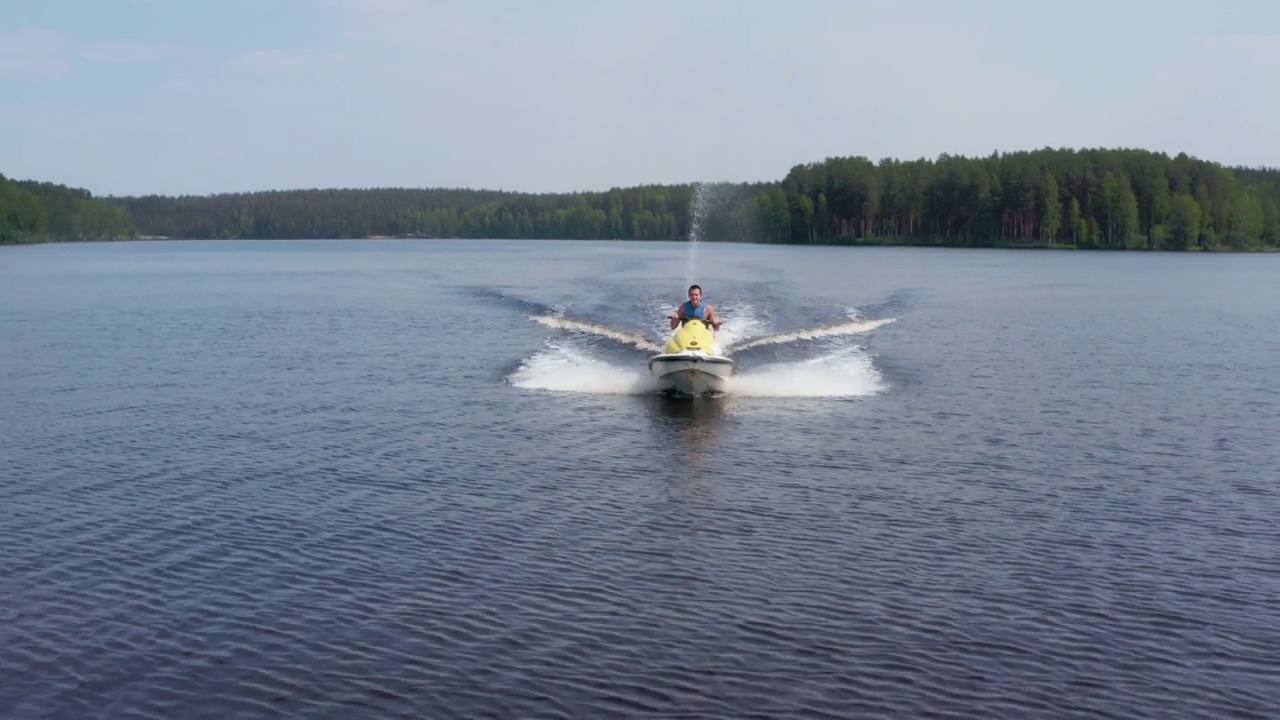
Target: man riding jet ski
{"x":692,"y":362}
{"x":695,"y":308}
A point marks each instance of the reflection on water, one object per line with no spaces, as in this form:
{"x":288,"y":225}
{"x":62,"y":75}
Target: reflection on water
{"x":690,"y":428}
{"x":675,"y":412}
{"x":692,"y":424}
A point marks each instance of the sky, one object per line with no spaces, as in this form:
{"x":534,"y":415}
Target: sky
{"x":173,"y":97}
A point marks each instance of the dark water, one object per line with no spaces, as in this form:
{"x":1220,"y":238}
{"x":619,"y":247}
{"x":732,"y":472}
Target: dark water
{"x":359,"y":479}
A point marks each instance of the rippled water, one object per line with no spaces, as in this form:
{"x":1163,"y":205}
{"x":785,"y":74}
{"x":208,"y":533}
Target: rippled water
{"x":427,"y":479}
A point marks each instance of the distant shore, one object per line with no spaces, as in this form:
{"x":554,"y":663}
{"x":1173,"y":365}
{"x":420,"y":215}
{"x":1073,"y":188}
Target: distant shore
{"x":834,"y":243}
{"x":1103,"y":199}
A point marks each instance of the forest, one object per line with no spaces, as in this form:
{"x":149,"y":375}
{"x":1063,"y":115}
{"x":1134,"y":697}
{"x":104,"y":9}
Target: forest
{"x":40,"y":211}
{"x":1090,"y":198}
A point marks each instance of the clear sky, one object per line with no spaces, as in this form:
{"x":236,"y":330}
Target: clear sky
{"x":200,"y":96}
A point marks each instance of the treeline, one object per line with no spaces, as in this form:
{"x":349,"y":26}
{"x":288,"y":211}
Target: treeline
{"x":40,"y":211}
{"x":644,"y":213}
{"x":1092,"y":198}
{"x":1124,"y":199}
{"x":1121,"y":199}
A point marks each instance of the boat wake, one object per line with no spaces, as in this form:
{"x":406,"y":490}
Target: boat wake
{"x":845,"y":373}
{"x":566,"y":366}
{"x":633,"y":339}
{"x":856,"y":327}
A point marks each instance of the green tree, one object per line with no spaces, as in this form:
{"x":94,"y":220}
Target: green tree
{"x":1184,"y":221}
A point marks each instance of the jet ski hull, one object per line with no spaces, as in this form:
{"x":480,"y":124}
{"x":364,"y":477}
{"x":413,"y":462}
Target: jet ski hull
{"x":691,"y":373}
{"x":692,"y":363}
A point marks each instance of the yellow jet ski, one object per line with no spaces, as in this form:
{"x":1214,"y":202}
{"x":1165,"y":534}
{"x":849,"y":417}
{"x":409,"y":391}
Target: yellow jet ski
{"x":692,"y":363}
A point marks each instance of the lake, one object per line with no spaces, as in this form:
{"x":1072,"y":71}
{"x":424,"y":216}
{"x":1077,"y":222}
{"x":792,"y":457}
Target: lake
{"x":427,"y":479}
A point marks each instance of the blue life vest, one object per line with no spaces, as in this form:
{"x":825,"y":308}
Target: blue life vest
{"x":690,"y":312}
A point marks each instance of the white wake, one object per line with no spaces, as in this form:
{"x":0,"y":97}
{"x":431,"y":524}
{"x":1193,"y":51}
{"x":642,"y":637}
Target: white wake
{"x":633,"y":339}
{"x":567,"y":369}
{"x":563,"y":368}
{"x":855,"y":327}
{"x":844,"y":372}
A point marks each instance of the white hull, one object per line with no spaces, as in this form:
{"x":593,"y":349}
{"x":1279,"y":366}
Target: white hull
{"x":691,"y":373}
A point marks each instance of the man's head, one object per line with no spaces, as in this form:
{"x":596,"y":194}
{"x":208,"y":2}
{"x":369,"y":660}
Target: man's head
{"x":695,"y":295}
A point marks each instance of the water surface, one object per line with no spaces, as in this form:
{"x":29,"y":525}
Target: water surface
{"x":427,"y":479}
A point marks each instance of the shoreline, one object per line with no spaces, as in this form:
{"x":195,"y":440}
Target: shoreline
{"x":923,"y":243}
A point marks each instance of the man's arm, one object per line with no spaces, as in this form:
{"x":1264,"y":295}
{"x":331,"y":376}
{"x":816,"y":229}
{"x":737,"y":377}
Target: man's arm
{"x":712,"y":318}
{"x":675,"y":317}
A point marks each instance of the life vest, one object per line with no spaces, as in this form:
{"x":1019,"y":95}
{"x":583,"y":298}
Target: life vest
{"x":690,"y":312}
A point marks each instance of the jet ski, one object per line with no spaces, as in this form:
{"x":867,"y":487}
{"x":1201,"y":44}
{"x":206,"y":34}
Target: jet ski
{"x":692,"y":363}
